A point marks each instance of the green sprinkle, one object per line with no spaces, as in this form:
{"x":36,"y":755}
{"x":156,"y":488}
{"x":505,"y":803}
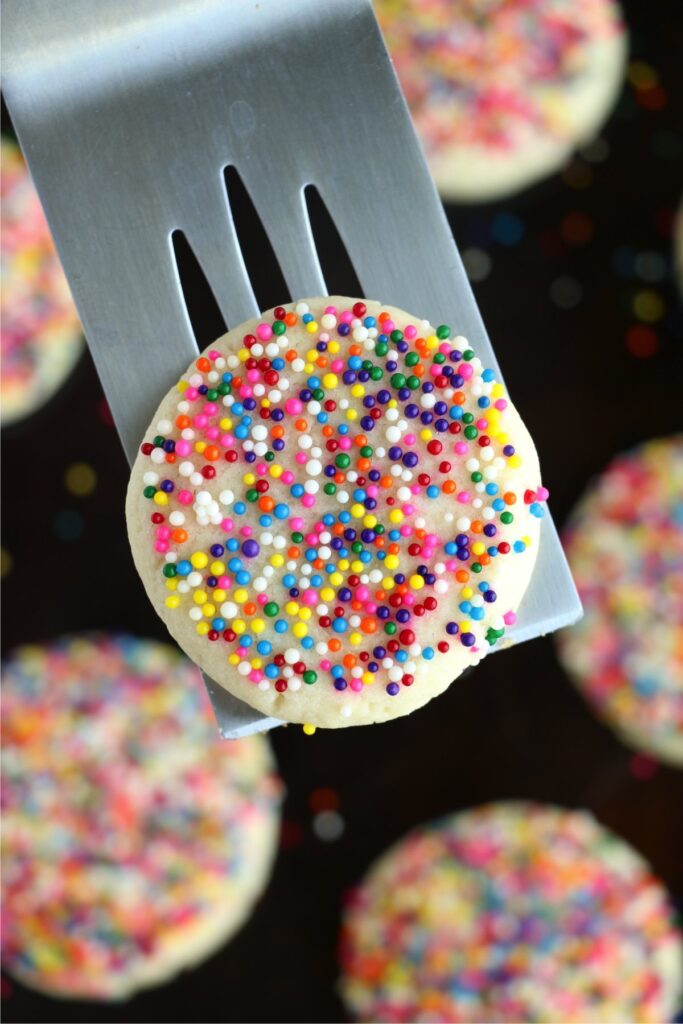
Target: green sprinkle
{"x":342,"y":461}
{"x":471,"y":433}
{"x":149,"y":492}
{"x":476,"y":477}
{"x":469,"y":354}
{"x":279,"y":327}
{"x":169,"y":571}
{"x":397,"y":380}
{"x":396,"y":336}
{"x":366,"y":451}
{"x":443,"y":332}
{"x":412,"y":359}
{"x":390,"y":628}
{"x":271,"y":609}
{"x":330,"y":488}
{"x":297,"y":537}
{"x":476,"y":567}
{"x":252,"y":494}
{"x":506,"y":517}
{"x":159,"y":441}
{"x":376,"y":373}
{"x":310,"y":676}
{"x":381,"y":348}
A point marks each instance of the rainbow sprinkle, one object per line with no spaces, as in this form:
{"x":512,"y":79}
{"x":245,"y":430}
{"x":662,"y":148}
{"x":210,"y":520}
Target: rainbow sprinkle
{"x":511,"y":912}
{"x":625,"y":546}
{"x":134,"y":842}
{"x":330,"y":503}
{"x":41,"y":332}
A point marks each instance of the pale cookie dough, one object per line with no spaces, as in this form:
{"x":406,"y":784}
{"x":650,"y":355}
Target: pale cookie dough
{"x":511,"y":912}
{"x":345,"y":520}
{"x":135,"y":842}
{"x":41,"y":333}
{"x":503,"y":91}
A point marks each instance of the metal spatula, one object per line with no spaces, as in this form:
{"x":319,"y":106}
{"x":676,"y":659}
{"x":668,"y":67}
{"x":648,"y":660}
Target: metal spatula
{"x":129,"y":111}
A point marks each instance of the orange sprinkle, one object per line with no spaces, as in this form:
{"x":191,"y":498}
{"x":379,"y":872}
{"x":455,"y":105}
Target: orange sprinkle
{"x":386,"y":482}
{"x":290,"y":355}
{"x":212,"y":452}
{"x":509,"y":498}
{"x":301,"y":424}
{"x":327,"y":431}
{"x":462,"y":575}
{"x":363,"y":465}
{"x":278,"y":432}
{"x":334,"y":645}
{"x":170,"y":457}
{"x":291,"y":319}
{"x":249,"y":608}
{"x":448,"y":486}
{"x":203,"y":364}
{"x":368,"y":625}
{"x":266,"y":503}
{"x":349,"y":661}
{"x":294,"y":552}
{"x":179,"y":536}
{"x":182,"y":422}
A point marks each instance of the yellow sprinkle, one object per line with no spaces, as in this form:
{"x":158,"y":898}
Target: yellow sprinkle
{"x":309,"y":729}
{"x":265,"y":403}
{"x":209,"y":610}
{"x":392,"y":403}
{"x":465,"y":626}
{"x":391,"y":561}
{"x":648,"y":306}
{"x":277,"y":560}
{"x":217,"y":568}
{"x":312,"y":327}
{"x":426,"y":434}
{"x":239,"y":625}
{"x":243,"y":355}
{"x":327,"y":594}
{"x":514,"y":461}
{"x":336,"y":578}
{"x":388,"y":583}
{"x":225,"y":423}
{"x":478,"y":548}
{"x":183,"y":385}
{"x":173,"y":601}
{"x":333,"y":347}
{"x":257,"y":663}
{"x":309,"y":367}
{"x":351,"y":414}
{"x":305,"y":614}
{"x":358,"y":511}
{"x":160,"y":498}
{"x":199,"y":560}
{"x":528,"y":541}
{"x":203,"y":628}
{"x":199,"y":597}
{"x":368,"y":678}
{"x":357,"y":565}
{"x":257,"y":625}
{"x":241,"y":595}
{"x":234,"y":659}
{"x":416,"y":582}
{"x":276,"y":471}
{"x":370,"y":521}
{"x":219,"y":595}
{"x":356,"y":638}
{"x":171,"y":584}
{"x":432,"y":341}
{"x":249,"y":479}
{"x":299,"y":629}
{"x":466,"y":593}
{"x":330,"y":380}
{"x":357,"y":390}
{"x":497,"y":391}
{"x":292,"y":607}
{"x":199,"y":446}
{"x":396,"y":516}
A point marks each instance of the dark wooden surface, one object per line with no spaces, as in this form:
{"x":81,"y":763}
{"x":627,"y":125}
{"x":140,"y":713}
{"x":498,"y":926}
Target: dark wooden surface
{"x":514,"y":727}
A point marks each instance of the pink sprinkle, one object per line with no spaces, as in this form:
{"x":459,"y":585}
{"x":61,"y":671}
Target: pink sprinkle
{"x":406,"y":530}
{"x":387,"y":325}
{"x":346,"y":317}
{"x":183,"y":447}
{"x":246,"y":531}
{"x":287,"y":477}
{"x":212,"y":433}
{"x":246,"y":391}
{"x":465,"y":371}
{"x":408,"y":509}
{"x":451,"y":565}
{"x":301,"y":458}
{"x":161,"y":545}
{"x":362,"y":593}
{"x":227,"y":440}
{"x":410,"y":332}
{"x":310,"y":596}
{"x":509,"y":618}
{"x":460,"y":447}
{"x":501,"y":404}
{"x":410,"y":439}
{"x":463,"y":497}
{"x":296,"y":522}
{"x":337,"y":365}
{"x":262,"y":599}
{"x":200,"y":421}
{"x":264,"y":332}
{"x":415,"y":488}
{"x":210,"y":408}
{"x":331,"y":309}
{"x":542,"y":493}
{"x":253,"y":376}
{"x":409,"y":599}
{"x":163,"y":532}
{"x":435,"y":369}
{"x":190,"y":394}
{"x":214,"y":355}
{"x":224,"y":582}
{"x":325,"y":664}
{"x":293,"y":406}
{"x":227,"y":523}
{"x":356,"y":685}
{"x":482,"y":424}
{"x":256,"y":675}
{"x":185,"y":497}
{"x":345,"y":443}
{"x":308,"y":501}
{"x":444,"y":348}
{"x":262,"y":468}
{"x":373,"y":491}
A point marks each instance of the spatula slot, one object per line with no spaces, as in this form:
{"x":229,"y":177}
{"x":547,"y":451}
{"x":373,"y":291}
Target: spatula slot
{"x":264,"y":271}
{"x":340,"y":276}
{"x":202,"y":308}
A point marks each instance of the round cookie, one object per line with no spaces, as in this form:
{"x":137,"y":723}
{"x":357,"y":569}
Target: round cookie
{"x":41,"y":332}
{"x":503,"y":91}
{"x":134,"y":841}
{"x":336,"y":511}
{"x":624,"y":542}
{"x":511,"y":912}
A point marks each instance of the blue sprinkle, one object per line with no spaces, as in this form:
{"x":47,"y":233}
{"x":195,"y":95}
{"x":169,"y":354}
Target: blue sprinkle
{"x":281,"y":511}
{"x":280,"y":626}
{"x":428,"y":653}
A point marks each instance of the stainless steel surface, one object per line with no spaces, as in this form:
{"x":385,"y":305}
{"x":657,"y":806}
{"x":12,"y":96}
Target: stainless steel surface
{"x":128,"y":112}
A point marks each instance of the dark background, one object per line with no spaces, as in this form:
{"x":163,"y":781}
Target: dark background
{"x":590,"y":378}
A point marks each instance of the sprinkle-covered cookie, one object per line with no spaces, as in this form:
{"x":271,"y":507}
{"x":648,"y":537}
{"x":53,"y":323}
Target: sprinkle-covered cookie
{"x":502,"y":91}
{"x":134,"y":841}
{"x":336,"y":511}
{"x":41,"y":332}
{"x":511,"y":912}
{"x":625,"y":546}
